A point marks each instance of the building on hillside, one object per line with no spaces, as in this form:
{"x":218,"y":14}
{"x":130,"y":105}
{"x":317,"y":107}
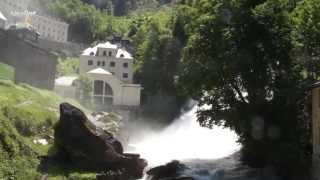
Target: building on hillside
{"x":25,"y":12}
{"x":110,"y":69}
{"x":3,"y":21}
{"x":49,"y":27}
{"x":315,"y":90}
{"x":110,"y":57}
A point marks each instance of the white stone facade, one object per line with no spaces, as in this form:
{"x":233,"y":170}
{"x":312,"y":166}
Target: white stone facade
{"x":111,"y":70}
{"x":109,"y":57}
{"x":109,"y":90}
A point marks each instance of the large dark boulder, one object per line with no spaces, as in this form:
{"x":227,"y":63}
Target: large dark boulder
{"x":78,"y":141}
{"x":170,"y":171}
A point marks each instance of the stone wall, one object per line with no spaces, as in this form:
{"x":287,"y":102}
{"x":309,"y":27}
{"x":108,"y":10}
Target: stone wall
{"x":68,"y":48}
{"x":33,"y":65}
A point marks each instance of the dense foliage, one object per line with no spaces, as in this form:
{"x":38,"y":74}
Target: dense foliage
{"x":157,"y":63}
{"x":92,"y":20}
{"x":123,"y":7}
{"x":243,"y":60}
{"x":68,"y":66}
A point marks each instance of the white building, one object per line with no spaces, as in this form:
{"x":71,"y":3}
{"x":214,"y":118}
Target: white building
{"x":49,"y":28}
{"x":109,"y":57}
{"x":110,"y":69}
{"x":3,"y":21}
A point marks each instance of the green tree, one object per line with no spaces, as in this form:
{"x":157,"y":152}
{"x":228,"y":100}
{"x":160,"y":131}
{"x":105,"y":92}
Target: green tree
{"x":68,"y":66}
{"x":158,"y":60}
{"x":306,"y":19}
{"x":239,"y":61}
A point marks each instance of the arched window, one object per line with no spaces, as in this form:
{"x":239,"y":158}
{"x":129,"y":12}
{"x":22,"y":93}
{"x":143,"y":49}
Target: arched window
{"x":102,"y":93}
{"x":108,"y":90}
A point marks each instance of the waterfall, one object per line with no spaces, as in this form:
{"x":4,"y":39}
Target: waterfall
{"x":185,"y":139}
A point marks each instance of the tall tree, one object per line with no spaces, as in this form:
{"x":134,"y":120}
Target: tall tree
{"x":306,"y":19}
{"x":239,"y":62}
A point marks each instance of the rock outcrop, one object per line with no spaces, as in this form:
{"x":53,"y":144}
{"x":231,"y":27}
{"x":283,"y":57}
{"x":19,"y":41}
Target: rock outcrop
{"x":77,"y":140}
{"x":170,"y":171}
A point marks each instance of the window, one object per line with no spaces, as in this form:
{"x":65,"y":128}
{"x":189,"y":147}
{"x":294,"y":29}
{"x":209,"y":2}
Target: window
{"x":112,"y":64}
{"x":110,"y":53}
{"x":98,"y":87}
{"x":104,"y":53}
{"x":121,"y":55}
{"x":108,"y":90}
{"x":125,"y":65}
{"x":90,"y":62}
{"x":103,"y":63}
{"x":99,"y":63}
{"x":92,"y":53}
{"x":125,"y":75}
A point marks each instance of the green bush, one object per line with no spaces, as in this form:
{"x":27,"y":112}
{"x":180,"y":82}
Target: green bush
{"x":6,"y":72}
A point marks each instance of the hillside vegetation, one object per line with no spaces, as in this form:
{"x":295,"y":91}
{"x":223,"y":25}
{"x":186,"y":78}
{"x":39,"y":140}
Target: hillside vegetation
{"x":28,"y":114}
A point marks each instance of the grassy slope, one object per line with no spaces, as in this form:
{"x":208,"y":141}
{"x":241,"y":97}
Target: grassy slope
{"x":6,"y":72}
{"x":27,"y":113}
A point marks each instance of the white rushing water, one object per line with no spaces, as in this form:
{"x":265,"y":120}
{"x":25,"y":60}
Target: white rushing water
{"x":185,"y":139}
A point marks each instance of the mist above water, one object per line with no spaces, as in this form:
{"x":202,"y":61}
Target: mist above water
{"x":185,"y":139}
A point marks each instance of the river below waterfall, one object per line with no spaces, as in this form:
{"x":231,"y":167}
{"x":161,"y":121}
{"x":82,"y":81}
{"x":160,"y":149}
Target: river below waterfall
{"x":211,"y":154}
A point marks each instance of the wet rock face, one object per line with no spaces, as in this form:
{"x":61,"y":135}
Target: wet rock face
{"x":170,"y":171}
{"x":77,"y":140}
